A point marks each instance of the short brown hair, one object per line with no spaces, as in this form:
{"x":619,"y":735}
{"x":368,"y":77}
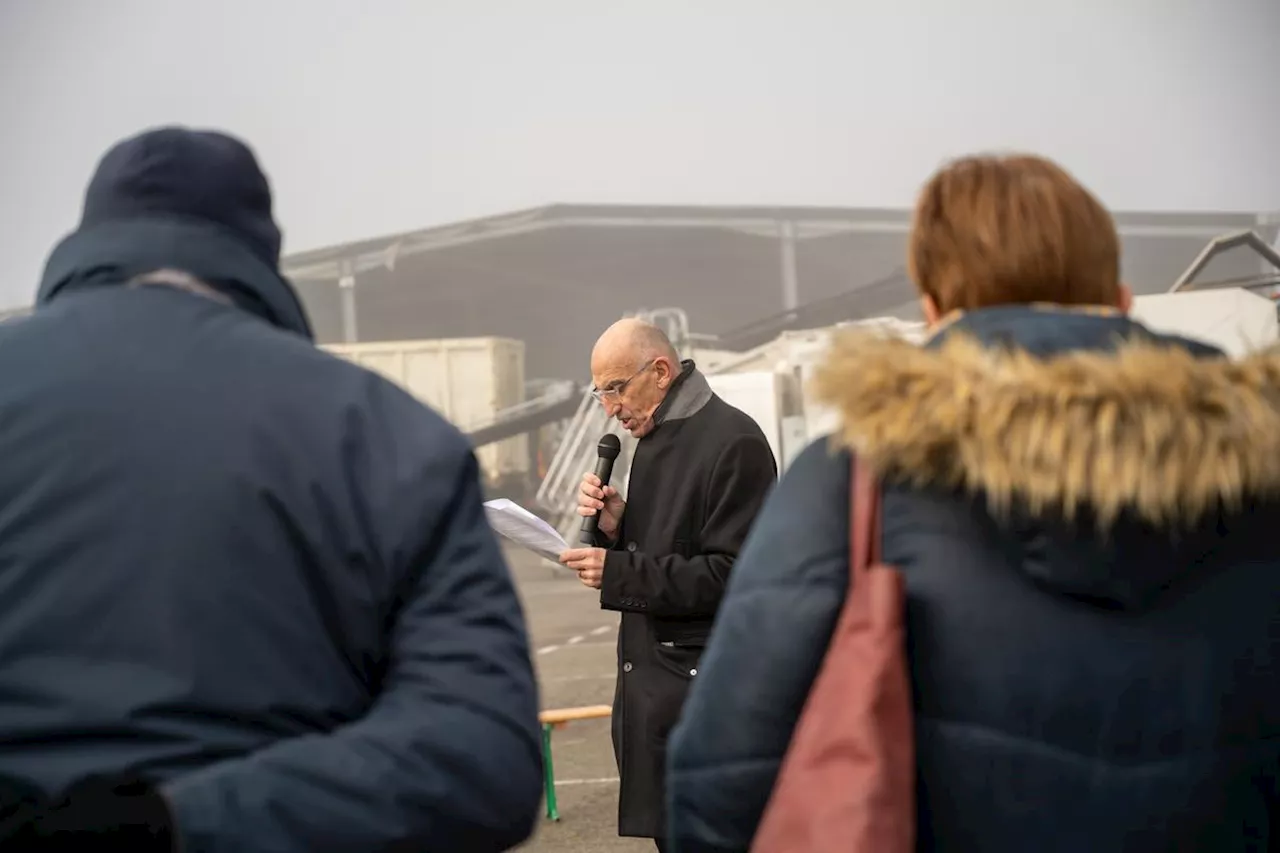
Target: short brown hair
{"x":998,"y":230}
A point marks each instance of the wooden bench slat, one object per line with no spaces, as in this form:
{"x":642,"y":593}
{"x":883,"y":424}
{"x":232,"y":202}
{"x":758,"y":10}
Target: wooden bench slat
{"x":556,"y":716}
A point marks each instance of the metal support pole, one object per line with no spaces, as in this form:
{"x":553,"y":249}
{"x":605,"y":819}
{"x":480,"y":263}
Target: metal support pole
{"x":347,"y":286}
{"x":790,"y":272}
{"x":549,"y":773}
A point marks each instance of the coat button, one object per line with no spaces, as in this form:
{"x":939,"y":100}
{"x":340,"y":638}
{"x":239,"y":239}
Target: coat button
{"x":631,"y":546}
{"x":626,"y":667}
{"x":693,"y":672}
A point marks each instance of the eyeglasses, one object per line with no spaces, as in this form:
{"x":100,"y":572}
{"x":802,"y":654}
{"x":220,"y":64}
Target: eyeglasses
{"x":615,"y":389}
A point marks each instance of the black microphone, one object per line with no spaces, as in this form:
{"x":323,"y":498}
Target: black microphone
{"x":608,"y":450}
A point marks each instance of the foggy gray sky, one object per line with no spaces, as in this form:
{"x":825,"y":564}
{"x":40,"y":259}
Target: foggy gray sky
{"x":394,"y":114}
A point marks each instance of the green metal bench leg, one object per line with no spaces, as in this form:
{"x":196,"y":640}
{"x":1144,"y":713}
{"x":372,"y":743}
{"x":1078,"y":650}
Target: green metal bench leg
{"x":548,"y":769}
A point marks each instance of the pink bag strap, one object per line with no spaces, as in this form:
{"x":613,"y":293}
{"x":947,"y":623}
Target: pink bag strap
{"x":864,"y":529}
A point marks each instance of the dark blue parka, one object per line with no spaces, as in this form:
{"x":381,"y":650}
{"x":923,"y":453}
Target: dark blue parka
{"x":249,"y":571}
{"x":1083,"y":513}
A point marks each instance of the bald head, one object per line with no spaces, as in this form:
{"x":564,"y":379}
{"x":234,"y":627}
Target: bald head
{"x":632,"y":340}
{"x":633,"y":366}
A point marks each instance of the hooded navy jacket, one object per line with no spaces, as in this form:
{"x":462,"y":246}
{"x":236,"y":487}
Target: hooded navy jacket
{"x":244,"y":569}
{"x":1084,"y":514}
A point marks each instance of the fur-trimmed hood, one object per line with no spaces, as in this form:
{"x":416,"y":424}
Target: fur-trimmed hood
{"x":1129,"y":423}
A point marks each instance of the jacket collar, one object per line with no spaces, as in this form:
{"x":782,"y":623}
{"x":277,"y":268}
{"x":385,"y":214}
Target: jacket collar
{"x":688,"y":394}
{"x":115,"y":253}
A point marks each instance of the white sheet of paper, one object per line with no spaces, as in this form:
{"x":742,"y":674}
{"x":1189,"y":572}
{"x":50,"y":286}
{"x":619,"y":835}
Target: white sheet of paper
{"x":512,"y":521}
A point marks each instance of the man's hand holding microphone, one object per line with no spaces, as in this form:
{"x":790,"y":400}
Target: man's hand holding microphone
{"x":601,"y":507}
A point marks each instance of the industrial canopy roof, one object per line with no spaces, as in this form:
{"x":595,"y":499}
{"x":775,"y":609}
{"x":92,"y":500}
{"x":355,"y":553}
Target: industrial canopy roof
{"x":555,"y":276}
{"x":335,"y":261}
{"x":771,"y":222}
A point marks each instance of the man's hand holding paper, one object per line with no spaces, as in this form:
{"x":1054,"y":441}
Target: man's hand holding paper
{"x":587,"y":562}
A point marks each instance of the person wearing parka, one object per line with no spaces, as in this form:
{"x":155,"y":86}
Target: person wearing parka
{"x":1084,"y":512}
{"x":249,"y":600}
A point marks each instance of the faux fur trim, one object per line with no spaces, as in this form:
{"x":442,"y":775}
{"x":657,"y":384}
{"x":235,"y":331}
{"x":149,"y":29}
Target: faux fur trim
{"x":1147,"y":429}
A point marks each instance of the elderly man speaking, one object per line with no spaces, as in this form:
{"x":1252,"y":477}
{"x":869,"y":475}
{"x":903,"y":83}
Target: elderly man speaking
{"x":700,"y":474}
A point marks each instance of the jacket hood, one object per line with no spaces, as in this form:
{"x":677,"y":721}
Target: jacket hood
{"x":1059,"y":419}
{"x":192,"y":201}
{"x":114,"y":252}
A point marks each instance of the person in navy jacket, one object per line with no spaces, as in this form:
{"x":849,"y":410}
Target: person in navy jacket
{"x":248,"y":596}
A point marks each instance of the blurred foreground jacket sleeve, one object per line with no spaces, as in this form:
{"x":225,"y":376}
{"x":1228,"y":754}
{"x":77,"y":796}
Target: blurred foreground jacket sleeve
{"x":447,"y":757}
{"x":765,"y":649}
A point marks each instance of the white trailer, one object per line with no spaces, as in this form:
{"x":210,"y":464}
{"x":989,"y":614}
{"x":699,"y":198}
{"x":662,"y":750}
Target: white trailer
{"x":1235,"y":320}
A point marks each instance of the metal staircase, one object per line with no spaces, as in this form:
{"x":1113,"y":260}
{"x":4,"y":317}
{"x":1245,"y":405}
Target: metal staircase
{"x":557,"y":495}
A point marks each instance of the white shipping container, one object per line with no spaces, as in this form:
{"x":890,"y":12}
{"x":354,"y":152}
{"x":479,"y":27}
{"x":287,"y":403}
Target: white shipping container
{"x":467,"y":380}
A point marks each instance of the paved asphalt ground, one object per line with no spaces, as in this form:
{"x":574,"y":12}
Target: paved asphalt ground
{"x":574,"y":651}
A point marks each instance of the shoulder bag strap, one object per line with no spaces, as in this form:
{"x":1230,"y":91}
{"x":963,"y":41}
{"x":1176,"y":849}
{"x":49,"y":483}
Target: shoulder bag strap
{"x":864,"y":527}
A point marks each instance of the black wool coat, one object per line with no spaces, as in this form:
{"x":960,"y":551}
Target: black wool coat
{"x":697,"y":482}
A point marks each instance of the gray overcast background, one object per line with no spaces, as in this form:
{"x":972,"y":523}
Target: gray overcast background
{"x":389,"y":115}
